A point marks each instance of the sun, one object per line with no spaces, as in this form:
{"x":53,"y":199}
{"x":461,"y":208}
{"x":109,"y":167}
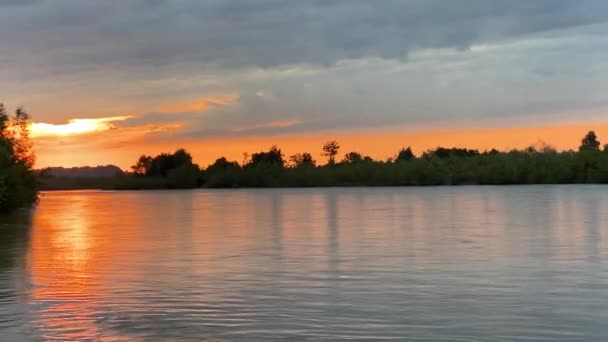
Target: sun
{"x":74,"y":126}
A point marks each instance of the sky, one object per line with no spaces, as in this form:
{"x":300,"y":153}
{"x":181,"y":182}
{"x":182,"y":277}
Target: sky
{"x":107,"y":81}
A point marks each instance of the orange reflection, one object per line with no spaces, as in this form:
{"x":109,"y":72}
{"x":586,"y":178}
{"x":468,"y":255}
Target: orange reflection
{"x":65,"y":261}
{"x":104,"y":261}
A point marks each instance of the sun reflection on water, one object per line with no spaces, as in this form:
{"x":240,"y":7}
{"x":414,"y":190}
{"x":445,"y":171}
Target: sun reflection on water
{"x":65,"y":263}
{"x":222,"y":265}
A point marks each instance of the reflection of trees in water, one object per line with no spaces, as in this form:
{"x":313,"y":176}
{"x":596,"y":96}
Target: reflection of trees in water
{"x":276,"y":201}
{"x":333,"y":236}
{"x":14,"y":237}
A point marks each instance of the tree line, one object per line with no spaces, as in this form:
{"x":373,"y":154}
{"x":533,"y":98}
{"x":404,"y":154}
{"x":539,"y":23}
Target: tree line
{"x":18,"y":183}
{"x":439,"y":166}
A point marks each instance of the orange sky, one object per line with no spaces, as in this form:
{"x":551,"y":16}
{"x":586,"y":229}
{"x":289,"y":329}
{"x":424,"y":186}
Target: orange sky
{"x":98,"y":149}
{"x":107,"y":81}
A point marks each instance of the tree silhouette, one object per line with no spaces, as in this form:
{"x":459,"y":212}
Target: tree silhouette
{"x":22,"y":146}
{"x":222,"y":164}
{"x":222,"y":174}
{"x":537,"y":164}
{"x":405,"y":154}
{"x":353,"y":157}
{"x":143,"y":165}
{"x":302,"y":160}
{"x":18,"y":183}
{"x":185,"y":176}
{"x":590,"y":142}
{"x":164,"y":163}
{"x":330,"y":150}
{"x":246,"y":157}
{"x":454,"y":152}
{"x":273,"y":157}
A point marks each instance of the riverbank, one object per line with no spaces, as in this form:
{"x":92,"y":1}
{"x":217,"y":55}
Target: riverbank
{"x":518,"y":167}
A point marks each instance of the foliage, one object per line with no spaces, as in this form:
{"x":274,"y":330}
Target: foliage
{"x":18,"y":183}
{"x":442,"y":152}
{"x":330,"y":150}
{"x":165,"y":171}
{"x":352,"y":157}
{"x":164,"y":164}
{"x":590,"y":142}
{"x":302,"y":160}
{"x":143,"y":165}
{"x":185,"y":176}
{"x":273,"y":157}
{"x":440,"y":166}
{"x":405,"y":154}
{"x":222,"y":174}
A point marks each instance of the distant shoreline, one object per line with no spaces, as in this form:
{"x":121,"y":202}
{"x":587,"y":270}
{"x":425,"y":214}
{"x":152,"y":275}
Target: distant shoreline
{"x":268,"y":169}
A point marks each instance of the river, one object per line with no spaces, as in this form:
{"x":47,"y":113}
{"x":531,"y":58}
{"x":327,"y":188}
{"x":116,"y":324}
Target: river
{"x":522,"y":263}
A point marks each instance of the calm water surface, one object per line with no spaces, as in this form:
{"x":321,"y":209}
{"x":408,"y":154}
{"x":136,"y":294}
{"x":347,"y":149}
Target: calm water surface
{"x":405,"y":264}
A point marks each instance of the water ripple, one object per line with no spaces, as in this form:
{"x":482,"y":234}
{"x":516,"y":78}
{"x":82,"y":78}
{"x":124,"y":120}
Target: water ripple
{"x":464,"y":264}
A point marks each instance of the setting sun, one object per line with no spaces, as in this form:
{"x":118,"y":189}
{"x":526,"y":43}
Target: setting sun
{"x":74,"y":126}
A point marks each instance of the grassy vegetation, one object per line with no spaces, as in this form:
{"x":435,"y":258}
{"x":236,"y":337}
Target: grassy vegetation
{"x":441,"y":166}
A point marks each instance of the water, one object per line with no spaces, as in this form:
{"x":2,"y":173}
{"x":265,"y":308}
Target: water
{"x":405,"y":264}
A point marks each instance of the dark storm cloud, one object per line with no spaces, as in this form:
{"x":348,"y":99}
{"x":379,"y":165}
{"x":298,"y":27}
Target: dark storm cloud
{"x":73,"y":35}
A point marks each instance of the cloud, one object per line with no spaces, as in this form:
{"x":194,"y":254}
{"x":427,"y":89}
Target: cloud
{"x":319,"y":65}
{"x":67,"y":36}
{"x":199,"y":105}
{"x":531,"y":81}
{"x":273,"y":124}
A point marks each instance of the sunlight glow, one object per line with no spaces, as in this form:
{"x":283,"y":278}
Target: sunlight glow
{"x":273,"y":124}
{"x":200,"y":105}
{"x":75,"y":126}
